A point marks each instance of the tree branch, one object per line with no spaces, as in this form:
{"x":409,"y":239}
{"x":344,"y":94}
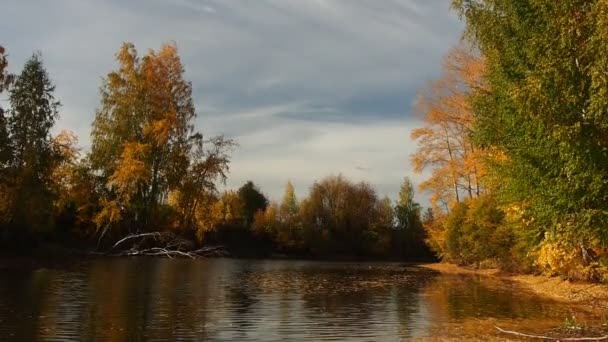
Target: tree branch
{"x":601,"y":338}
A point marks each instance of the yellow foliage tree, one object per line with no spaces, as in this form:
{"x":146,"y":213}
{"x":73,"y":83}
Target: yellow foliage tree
{"x":444,"y":144}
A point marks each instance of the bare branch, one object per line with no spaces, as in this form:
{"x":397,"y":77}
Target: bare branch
{"x":601,"y":338}
{"x":135,"y":236}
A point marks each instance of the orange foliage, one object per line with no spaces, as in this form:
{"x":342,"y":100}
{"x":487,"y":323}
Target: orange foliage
{"x":444,"y":144}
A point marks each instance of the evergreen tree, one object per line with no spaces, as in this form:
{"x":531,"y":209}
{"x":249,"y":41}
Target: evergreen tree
{"x":253,"y":201}
{"x":408,"y":237}
{"x":5,"y":142}
{"x":5,"y":146}
{"x":32,"y":115}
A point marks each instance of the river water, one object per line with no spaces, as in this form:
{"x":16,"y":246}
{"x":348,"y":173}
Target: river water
{"x":155,"y":299}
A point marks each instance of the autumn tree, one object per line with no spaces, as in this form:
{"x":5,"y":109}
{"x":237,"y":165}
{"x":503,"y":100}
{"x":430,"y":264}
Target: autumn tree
{"x":75,"y":187}
{"x":289,"y":232}
{"x":225,"y":221}
{"x":33,"y":111}
{"x":267,"y":225}
{"x":208,"y":165}
{"x":144,"y":145}
{"x":444,"y":144}
{"x":338,"y":215}
{"x":289,"y":205}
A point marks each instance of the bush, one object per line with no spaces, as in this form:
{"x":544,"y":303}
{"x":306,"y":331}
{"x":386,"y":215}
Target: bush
{"x":476,"y":232}
{"x":559,"y":255}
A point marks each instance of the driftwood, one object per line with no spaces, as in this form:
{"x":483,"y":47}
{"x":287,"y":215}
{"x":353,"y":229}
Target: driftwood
{"x":135,"y":236}
{"x":171,"y":247}
{"x":601,"y":338}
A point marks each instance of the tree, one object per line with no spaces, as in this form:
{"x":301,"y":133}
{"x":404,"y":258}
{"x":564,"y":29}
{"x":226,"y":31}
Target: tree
{"x":475,"y":232}
{"x":5,"y":143}
{"x":384,"y":227}
{"x":253,"y":201}
{"x":75,"y":187}
{"x":267,"y":223}
{"x":143,"y":137}
{"x":208,"y":163}
{"x":338,"y":216}
{"x":289,"y":205}
{"x":544,"y":112}
{"x":444,"y":144}
{"x":408,"y":237}
{"x":32,"y":115}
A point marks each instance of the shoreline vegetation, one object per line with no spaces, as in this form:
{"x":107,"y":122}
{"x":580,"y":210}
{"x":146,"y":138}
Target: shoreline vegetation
{"x":514,"y":139}
{"x":149,"y":184}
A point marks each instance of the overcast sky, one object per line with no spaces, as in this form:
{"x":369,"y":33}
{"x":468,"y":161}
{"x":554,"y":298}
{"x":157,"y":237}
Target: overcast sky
{"x":307,"y":87}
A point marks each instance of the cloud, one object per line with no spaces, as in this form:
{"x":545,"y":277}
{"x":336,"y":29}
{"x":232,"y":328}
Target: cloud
{"x":307,"y":87}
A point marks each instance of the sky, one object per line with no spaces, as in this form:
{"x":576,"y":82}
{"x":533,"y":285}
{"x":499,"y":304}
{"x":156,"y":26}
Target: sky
{"x":308,"y":88}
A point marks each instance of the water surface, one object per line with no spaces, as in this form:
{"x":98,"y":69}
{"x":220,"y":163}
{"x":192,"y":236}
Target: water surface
{"x":122,"y":299}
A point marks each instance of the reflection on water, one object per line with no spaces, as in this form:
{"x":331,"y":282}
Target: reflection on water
{"x":224,"y":299}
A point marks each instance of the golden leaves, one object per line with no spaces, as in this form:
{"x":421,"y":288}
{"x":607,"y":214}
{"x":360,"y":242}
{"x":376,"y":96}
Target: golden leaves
{"x":132,"y":170}
{"x":444,"y":144}
{"x":141,"y":140}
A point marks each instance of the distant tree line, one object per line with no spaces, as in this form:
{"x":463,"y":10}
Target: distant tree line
{"x":340,"y":217}
{"x":149,"y":170}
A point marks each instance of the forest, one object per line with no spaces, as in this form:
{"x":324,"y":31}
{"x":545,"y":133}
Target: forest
{"x":150,"y":182}
{"x":514,"y":144}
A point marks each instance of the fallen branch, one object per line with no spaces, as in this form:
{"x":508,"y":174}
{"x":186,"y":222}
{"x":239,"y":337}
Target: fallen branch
{"x":163,"y":244}
{"x":135,"y":236}
{"x":601,"y":338}
{"x":173,"y":252}
{"x":211,"y":250}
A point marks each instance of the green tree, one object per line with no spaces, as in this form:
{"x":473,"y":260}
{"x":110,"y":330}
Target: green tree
{"x":408,"y":237}
{"x":5,"y":146}
{"x":476,"y":231}
{"x":544,"y":113}
{"x":383,"y":228}
{"x":253,"y":201}
{"x":32,"y":115}
{"x":5,"y":143}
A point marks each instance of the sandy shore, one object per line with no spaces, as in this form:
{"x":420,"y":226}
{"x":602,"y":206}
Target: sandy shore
{"x":550,"y":287}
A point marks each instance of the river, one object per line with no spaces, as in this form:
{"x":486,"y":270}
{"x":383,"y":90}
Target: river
{"x":133,"y":299}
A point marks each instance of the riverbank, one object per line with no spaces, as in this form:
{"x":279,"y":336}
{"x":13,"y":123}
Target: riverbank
{"x":588,"y":297}
{"x":550,"y":287}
